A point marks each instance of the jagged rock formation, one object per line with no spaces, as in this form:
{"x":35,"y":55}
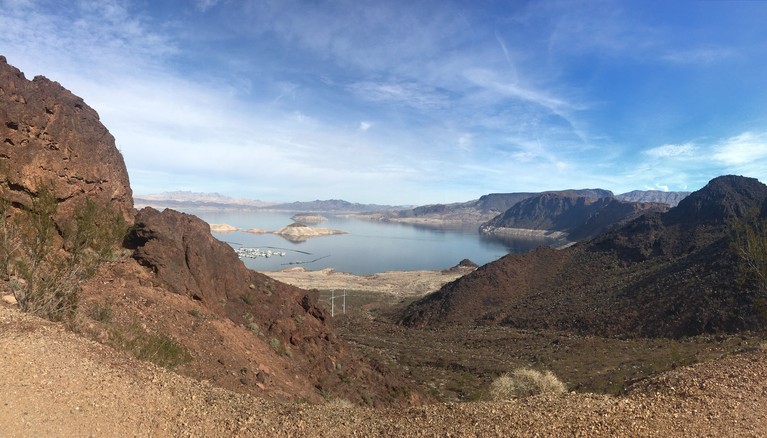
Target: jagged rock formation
{"x":50,"y":136}
{"x":666,"y":274}
{"x":566,"y":215}
{"x":670,"y":198}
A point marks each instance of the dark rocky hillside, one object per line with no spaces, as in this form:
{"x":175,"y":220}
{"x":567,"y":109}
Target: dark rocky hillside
{"x":576,"y":216}
{"x":669,"y":274}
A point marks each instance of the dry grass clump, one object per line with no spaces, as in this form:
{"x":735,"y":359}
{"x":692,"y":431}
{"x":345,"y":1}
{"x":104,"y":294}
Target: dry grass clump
{"x":524,"y":382}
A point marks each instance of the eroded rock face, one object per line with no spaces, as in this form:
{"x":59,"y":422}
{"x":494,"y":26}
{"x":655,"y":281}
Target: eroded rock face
{"x":50,"y":136}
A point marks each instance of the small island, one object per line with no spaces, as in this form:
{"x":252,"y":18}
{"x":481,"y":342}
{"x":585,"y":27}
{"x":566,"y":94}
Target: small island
{"x":222,"y":228}
{"x":296,"y":232}
{"x":299,"y":232}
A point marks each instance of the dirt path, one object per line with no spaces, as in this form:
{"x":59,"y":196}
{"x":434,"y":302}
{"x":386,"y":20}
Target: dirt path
{"x":54,"y":383}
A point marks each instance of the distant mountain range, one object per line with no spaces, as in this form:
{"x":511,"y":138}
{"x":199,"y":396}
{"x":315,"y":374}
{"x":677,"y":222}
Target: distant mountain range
{"x":573,"y":213}
{"x":187,"y":199}
{"x":194,"y":199}
{"x":489,"y":207}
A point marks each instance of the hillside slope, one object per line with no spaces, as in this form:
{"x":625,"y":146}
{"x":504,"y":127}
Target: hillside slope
{"x":234,"y":327}
{"x":667,"y":274}
{"x":54,"y":383}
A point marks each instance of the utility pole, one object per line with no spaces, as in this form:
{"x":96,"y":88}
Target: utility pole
{"x":344,"y":302}
{"x":332,"y":303}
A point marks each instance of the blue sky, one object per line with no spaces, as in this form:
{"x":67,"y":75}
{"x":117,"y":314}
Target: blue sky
{"x":410,"y":102}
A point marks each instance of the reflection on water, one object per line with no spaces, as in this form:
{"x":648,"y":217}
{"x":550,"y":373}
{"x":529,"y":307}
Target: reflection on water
{"x":369,"y":247}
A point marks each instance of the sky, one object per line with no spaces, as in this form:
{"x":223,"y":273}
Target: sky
{"x":410,"y":102}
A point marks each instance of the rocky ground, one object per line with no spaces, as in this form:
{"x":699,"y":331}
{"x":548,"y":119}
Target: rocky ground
{"x":55,"y":383}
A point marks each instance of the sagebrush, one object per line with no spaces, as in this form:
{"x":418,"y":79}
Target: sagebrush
{"x":525,"y":382}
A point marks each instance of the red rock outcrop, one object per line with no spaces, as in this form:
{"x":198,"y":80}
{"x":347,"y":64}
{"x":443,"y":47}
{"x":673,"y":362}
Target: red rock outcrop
{"x":50,"y":136}
{"x":186,"y":259}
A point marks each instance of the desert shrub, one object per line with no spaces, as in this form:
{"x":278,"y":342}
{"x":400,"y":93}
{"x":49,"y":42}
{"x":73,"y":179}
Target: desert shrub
{"x":750,"y":244}
{"x":101,"y":312}
{"x":524,"y":382}
{"x":157,"y":348}
{"x":339,"y":404}
{"x":46,"y":265}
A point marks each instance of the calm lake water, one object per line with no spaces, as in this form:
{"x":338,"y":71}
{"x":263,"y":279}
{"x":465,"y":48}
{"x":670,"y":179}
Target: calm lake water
{"x":370,"y":247}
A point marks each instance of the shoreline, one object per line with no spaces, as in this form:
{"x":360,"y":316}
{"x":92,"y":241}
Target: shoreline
{"x":402,"y":284}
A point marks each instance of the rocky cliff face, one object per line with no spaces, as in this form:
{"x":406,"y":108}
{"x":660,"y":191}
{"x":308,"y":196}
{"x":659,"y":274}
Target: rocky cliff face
{"x":50,"y":136}
{"x":570,"y":213}
{"x":666,"y":274}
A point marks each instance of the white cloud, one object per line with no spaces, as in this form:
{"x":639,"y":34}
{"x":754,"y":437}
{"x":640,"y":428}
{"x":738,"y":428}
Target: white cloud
{"x":364,"y":126}
{"x":671,"y":150}
{"x":746,"y":148}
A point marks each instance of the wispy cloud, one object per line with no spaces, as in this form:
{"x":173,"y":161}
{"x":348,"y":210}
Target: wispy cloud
{"x":747,"y":148}
{"x":408,"y":93}
{"x":671,"y":150}
{"x":700,"y":55}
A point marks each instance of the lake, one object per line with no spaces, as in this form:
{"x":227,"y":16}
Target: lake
{"x":370,"y":247}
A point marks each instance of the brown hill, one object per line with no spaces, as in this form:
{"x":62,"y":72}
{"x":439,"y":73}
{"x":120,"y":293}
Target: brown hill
{"x":666,"y":274}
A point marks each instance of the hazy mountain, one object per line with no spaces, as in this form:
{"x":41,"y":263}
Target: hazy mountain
{"x":670,"y":198}
{"x":194,"y":199}
{"x":331,"y":205}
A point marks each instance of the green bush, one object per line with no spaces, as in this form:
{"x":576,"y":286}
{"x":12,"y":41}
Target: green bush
{"x":46,"y":263}
{"x":524,"y":382}
{"x":157,"y":348}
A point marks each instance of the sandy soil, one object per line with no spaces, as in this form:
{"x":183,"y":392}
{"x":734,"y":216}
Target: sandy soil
{"x":54,"y":383}
{"x":399,"y":284}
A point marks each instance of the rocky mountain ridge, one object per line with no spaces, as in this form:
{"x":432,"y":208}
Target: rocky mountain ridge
{"x":489,"y":207}
{"x":567,"y":215}
{"x":667,"y":274}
